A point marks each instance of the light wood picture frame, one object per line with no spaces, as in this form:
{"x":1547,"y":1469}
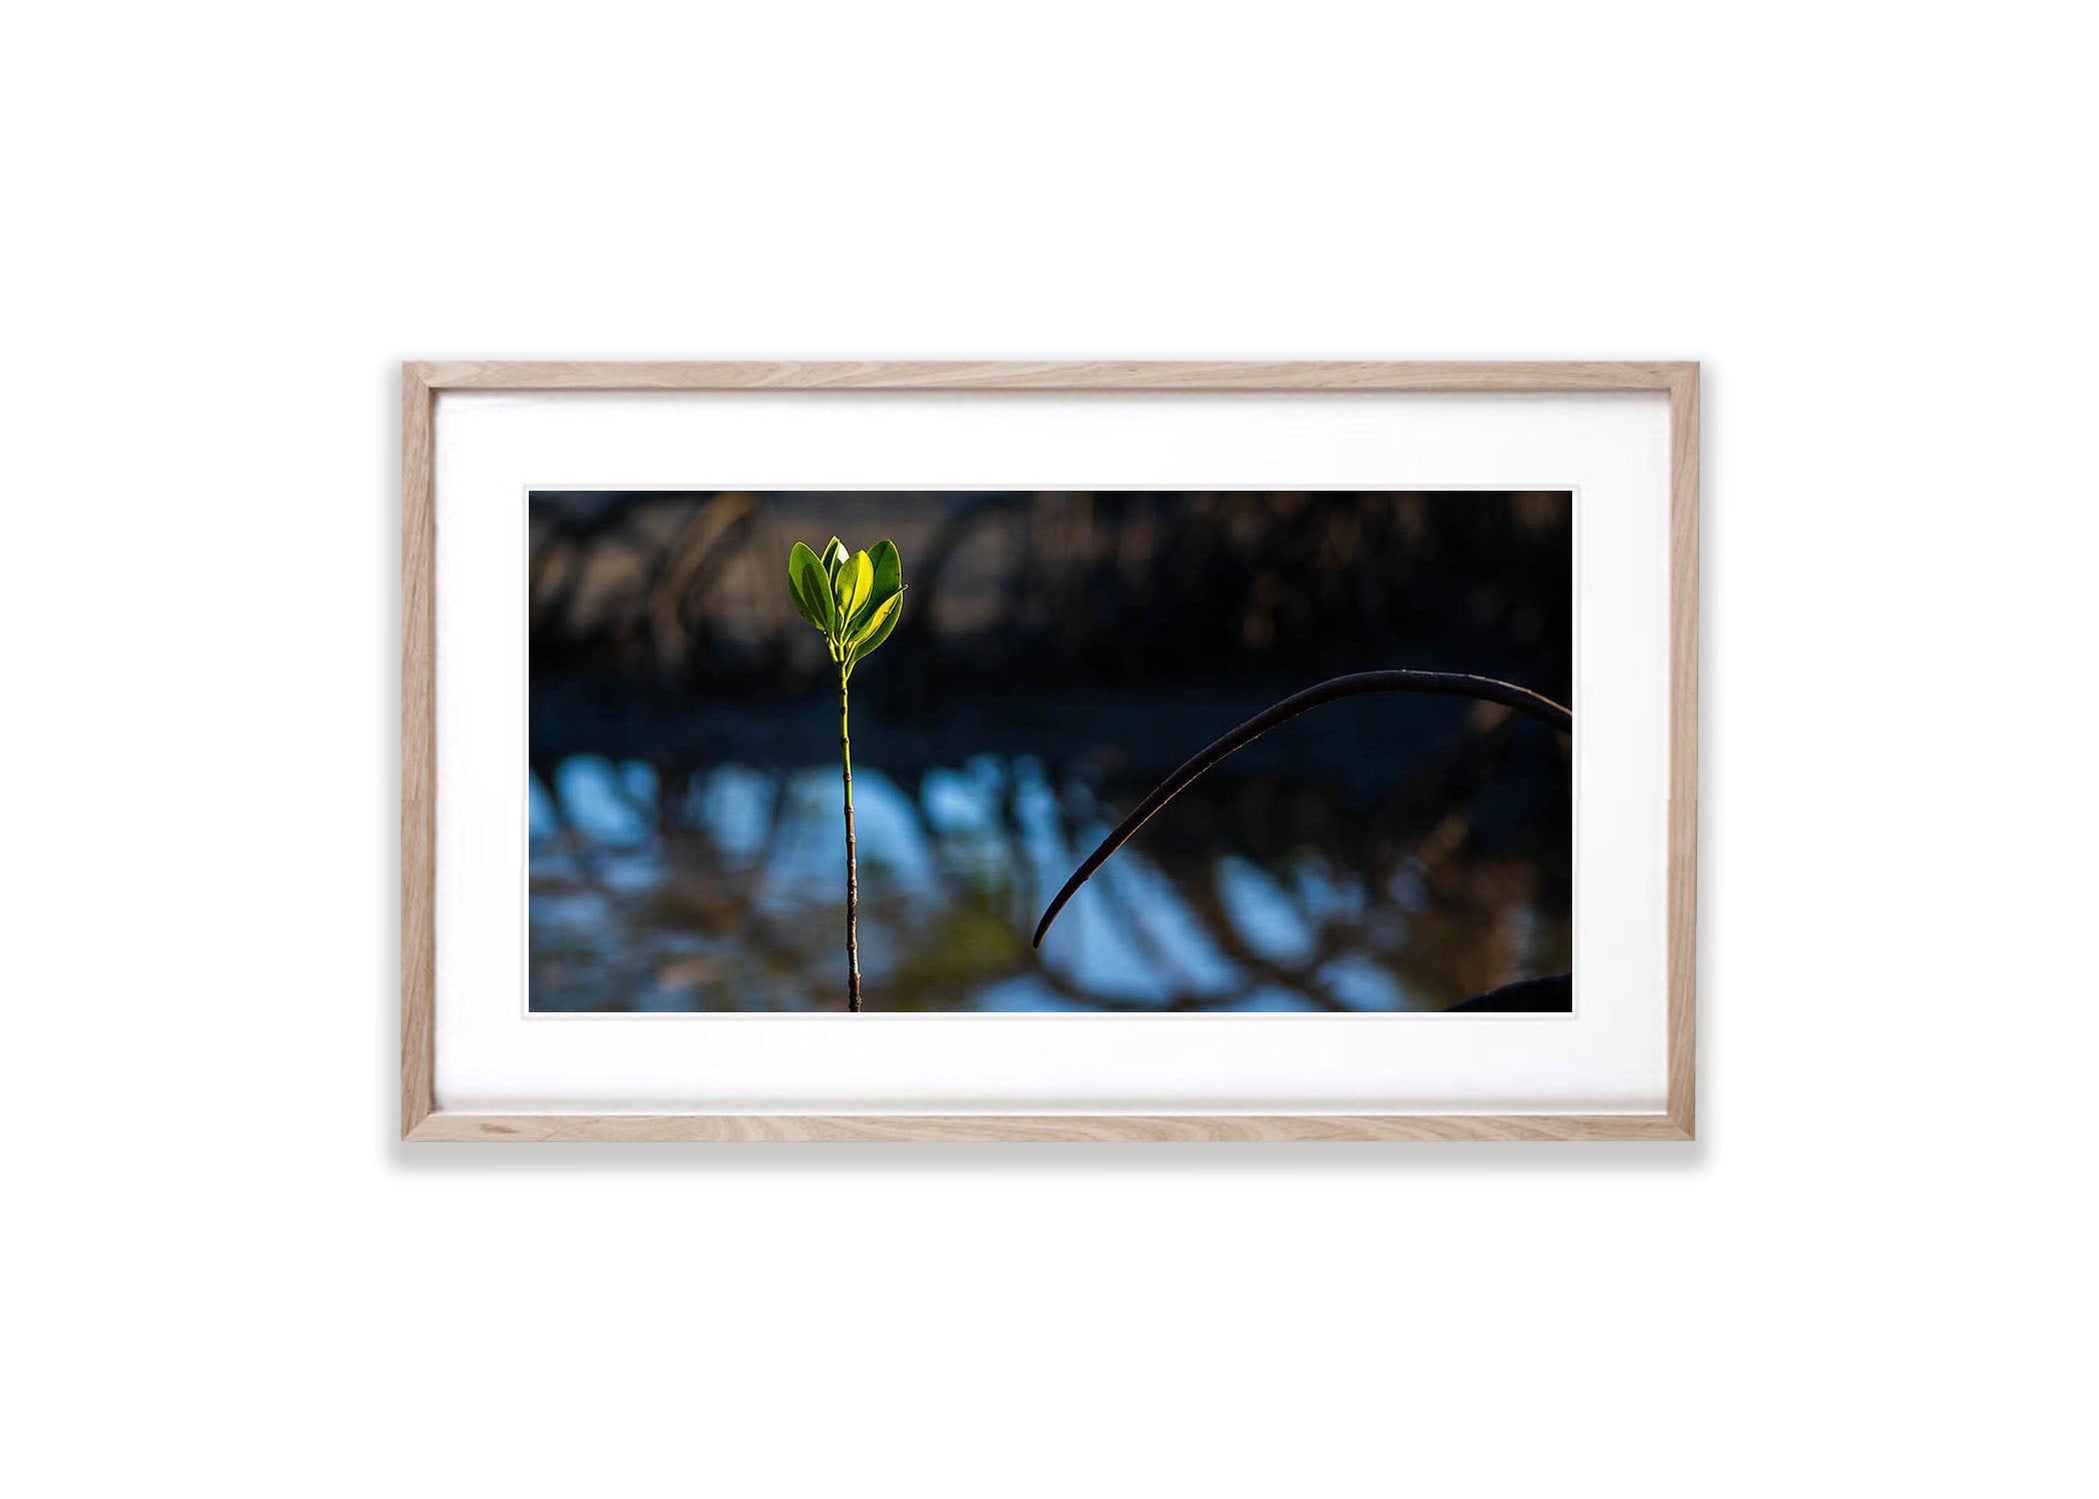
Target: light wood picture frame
{"x":422,"y":383}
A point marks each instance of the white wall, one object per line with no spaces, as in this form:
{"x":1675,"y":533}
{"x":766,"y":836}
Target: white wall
{"x":229,"y":223}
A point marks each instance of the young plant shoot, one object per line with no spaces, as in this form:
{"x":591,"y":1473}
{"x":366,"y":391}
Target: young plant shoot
{"x":853,"y":599}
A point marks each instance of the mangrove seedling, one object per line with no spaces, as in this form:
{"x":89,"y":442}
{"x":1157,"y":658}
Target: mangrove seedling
{"x":853,"y":599}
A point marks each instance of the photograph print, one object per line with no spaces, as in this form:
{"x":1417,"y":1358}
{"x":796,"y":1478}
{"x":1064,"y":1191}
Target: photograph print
{"x":1032,"y":752}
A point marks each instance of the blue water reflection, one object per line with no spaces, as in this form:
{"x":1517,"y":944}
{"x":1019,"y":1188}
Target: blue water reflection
{"x":731,"y":898}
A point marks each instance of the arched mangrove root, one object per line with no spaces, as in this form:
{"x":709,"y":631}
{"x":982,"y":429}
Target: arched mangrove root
{"x":1437,"y":683}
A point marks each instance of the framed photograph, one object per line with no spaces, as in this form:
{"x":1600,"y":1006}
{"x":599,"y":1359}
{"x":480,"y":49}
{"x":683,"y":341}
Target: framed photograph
{"x":1049,"y":751}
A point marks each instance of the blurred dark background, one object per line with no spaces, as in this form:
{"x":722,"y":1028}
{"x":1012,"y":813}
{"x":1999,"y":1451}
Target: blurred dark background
{"x":1059,"y":654}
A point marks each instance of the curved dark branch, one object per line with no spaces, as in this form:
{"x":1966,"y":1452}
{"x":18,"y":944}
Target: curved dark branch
{"x":1438,"y":683}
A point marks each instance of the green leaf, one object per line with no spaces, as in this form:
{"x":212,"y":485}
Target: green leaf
{"x":856,"y":577}
{"x":833,"y":555}
{"x":889,"y":574}
{"x":811,"y":589}
{"x":795,"y":564}
{"x":887,"y":583}
{"x":880,"y":621}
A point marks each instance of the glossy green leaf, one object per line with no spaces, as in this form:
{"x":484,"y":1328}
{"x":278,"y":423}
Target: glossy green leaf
{"x":888,"y":583}
{"x":811,"y":589}
{"x":833,"y":555}
{"x":889,"y":574}
{"x":856,"y":579}
{"x":880,"y":621}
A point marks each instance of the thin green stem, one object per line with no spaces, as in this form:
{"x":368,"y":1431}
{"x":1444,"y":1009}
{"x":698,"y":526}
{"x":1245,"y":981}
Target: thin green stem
{"x":852,"y":872}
